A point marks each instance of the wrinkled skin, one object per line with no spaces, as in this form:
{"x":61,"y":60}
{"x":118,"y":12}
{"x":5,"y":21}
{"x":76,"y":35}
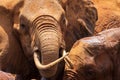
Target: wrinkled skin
{"x":6,"y":76}
{"x":30,"y":27}
{"x":81,"y":16}
{"x":95,"y":58}
{"x":40,"y":27}
{"x":27,"y":18}
{"x":108,"y":14}
{"x":29,"y":40}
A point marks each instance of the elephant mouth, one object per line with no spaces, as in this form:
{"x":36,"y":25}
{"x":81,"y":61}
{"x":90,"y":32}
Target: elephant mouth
{"x":40,"y":66}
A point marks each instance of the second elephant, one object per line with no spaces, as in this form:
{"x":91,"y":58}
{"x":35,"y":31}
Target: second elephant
{"x":96,"y":57}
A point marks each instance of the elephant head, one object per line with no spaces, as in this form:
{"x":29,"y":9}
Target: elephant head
{"x":81,"y":16}
{"x":40,"y":27}
{"x":95,"y":58}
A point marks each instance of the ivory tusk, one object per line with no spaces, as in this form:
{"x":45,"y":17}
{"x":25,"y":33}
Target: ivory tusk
{"x":44,"y":67}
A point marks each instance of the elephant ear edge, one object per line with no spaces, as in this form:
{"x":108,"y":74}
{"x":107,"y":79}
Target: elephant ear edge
{"x":4,"y":9}
{"x":88,"y":20}
{"x":91,"y":16}
{"x":16,"y":12}
{"x":83,"y":12}
{"x":63,"y":3}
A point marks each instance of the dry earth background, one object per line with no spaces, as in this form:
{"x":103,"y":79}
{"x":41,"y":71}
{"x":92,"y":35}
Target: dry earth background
{"x":108,"y":14}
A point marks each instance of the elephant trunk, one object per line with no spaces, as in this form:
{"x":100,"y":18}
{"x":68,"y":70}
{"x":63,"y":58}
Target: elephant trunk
{"x":49,"y":44}
{"x":49,"y":35}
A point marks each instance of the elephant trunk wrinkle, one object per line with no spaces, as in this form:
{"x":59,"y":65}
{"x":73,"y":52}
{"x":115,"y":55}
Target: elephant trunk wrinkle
{"x":48,"y":32}
{"x":47,"y":20}
{"x":49,"y":45}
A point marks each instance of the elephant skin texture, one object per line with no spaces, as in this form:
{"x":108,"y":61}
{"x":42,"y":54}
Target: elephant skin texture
{"x":41,"y":26}
{"x":96,"y":57}
{"x":108,"y":14}
{"x":82,"y":16}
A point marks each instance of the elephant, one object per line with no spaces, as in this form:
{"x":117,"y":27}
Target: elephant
{"x":6,"y":76}
{"x":12,"y":58}
{"x":108,"y":14}
{"x":82,"y":16}
{"x":40,"y":31}
{"x":95,"y":57}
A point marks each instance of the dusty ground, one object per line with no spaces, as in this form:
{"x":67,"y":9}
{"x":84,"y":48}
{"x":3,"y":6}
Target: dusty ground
{"x":108,"y":14}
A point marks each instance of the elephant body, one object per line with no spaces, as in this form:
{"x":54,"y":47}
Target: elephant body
{"x":108,"y":14}
{"x":40,"y":27}
{"x":96,"y":57}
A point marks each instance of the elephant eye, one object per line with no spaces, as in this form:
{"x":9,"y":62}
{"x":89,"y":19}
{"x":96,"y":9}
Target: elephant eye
{"x":63,"y":22}
{"x":90,"y":72}
{"x":23,"y":29}
{"x":22,"y":26}
{"x":63,"y":19}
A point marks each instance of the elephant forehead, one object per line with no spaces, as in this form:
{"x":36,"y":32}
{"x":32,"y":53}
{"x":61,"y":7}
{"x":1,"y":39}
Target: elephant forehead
{"x":33,"y":9}
{"x":91,"y":40}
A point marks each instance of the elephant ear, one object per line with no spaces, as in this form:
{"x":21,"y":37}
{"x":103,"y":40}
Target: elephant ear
{"x":82,"y":12}
{"x":13,"y":8}
{"x":63,"y":3}
{"x":4,"y":7}
{"x":16,"y":12}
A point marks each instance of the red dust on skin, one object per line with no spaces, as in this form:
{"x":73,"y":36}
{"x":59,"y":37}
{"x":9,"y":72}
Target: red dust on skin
{"x":108,"y":14}
{"x":93,"y":57}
